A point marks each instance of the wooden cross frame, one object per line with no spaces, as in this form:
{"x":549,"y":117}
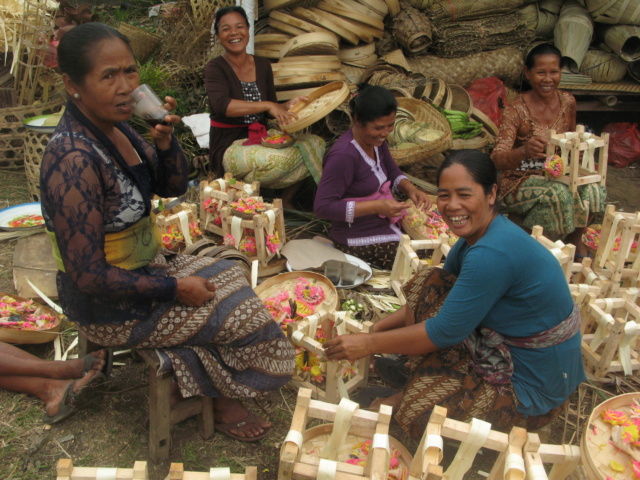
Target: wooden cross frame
{"x":177,"y":472}
{"x":564,"y":253}
{"x":66,"y":471}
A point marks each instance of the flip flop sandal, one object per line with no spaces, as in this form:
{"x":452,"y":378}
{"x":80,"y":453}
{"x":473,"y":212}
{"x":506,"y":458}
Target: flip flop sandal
{"x":89,"y":360}
{"x":71,"y":400}
{"x":250,"y":418}
{"x":392,"y":370}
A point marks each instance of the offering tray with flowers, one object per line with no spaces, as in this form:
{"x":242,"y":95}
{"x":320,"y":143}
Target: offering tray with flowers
{"x":278,"y":140}
{"x":248,"y":206}
{"x":610,"y":442}
{"x":23,"y":321}
{"x":423,"y":224}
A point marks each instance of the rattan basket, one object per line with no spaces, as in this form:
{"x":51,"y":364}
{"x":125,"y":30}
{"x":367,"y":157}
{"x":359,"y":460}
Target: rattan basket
{"x":412,"y":30}
{"x":623,"y":40}
{"x":603,"y":67}
{"x":423,"y":112}
{"x":34,"y":146}
{"x":143,"y":42}
{"x":573,"y":34}
{"x":614,"y":12}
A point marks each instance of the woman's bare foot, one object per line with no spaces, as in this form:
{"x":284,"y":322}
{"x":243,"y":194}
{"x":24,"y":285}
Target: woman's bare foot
{"x":231,"y":417}
{"x":55,"y":391}
{"x":394,"y":401}
{"x":75,"y":368}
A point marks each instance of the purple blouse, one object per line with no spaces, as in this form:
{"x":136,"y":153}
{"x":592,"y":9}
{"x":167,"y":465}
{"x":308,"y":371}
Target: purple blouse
{"x":348,"y":172}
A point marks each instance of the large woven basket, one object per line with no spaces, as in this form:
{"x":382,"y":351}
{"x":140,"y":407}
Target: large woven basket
{"x":573,"y":34}
{"x":623,"y":40}
{"x":143,"y":42}
{"x":603,"y":67}
{"x":505,"y":63}
{"x":412,"y":30}
{"x":423,"y":112}
{"x":614,"y":11}
{"x":23,"y":337}
{"x":34,"y":146}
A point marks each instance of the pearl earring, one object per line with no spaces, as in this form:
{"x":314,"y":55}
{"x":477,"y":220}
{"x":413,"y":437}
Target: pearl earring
{"x":76,"y":95}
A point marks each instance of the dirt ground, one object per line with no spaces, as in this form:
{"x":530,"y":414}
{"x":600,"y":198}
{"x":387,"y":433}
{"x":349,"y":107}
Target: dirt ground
{"x":113,"y":430}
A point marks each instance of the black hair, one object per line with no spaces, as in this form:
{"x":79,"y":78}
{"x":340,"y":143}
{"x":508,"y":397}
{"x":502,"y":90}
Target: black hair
{"x":478,"y":164}
{"x":223,"y":11}
{"x":372,"y":102}
{"x":76,"y":55}
{"x":542,"y":49}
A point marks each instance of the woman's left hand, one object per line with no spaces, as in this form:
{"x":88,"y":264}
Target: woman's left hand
{"x":162,"y":133}
{"x":347,"y":347}
{"x":281,"y":113}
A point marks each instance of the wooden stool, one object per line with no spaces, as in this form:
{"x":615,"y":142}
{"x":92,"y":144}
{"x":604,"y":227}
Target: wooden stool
{"x":162,"y":415}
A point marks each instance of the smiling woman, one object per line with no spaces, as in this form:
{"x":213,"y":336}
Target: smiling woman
{"x":494,"y":334}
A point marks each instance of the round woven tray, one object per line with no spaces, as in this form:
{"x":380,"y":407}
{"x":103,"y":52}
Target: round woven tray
{"x":315,"y":438}
{"x":359,"y":52}
{"x":319,"y":103}
{"x":438,"y":91}
{"x":285,"y":27}
{"x":351,"y":15}
{"x":355,"y":6}
{"x":477,"y":143}
{"x":309,"y":79}
{"x":296,"y":22}
{"x":24,"y":337}
{"x":285,"y":95}
{"x":423,"y":112}
{"x":316,"y":43}
{"x":347,"y":30}
{"x":596,"y":450}
{"x":287,"y":282}
{"x":460,"y":99}
{"x":268,"y":38}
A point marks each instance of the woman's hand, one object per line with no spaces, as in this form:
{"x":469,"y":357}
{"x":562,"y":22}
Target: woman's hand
{"x":391,"y":208}
{"x":420,"y":199}
{"x":535,"y":147}
{"x":347,"y":347}
{"x":195,"y":291}
{"x":162,"y":133}
{"x":281,"y":113}
{"x":295,"y":100}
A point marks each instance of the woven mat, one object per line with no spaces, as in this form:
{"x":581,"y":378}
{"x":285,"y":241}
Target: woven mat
{"x":626,"y":86}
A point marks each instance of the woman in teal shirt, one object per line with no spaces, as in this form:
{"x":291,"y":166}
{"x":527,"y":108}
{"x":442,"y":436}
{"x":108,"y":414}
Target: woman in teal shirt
{"x":501,"y":337}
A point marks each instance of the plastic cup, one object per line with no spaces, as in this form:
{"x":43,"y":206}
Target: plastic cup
{"x":148,"y":106}
{"x":332,"y":270}
{"x":349,"y":273}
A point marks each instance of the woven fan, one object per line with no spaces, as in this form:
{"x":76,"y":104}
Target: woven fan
{"x":316,"y":43}
{"x":319,"y":103}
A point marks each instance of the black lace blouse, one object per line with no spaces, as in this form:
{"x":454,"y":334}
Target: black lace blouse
{"x":88,"y":190}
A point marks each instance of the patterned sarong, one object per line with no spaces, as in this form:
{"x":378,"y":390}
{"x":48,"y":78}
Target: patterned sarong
{"x":447,"y":377}
{"x":276,"y":167}
{"x":230,"y":347}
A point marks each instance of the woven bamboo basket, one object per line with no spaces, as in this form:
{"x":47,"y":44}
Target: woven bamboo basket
{"x":603,"y":67}
{"x":353,"y":74}
{"x":315,"y":43}
{"x":614,"y":11}
{"x":623,"y":40}
{"x":297,"y":23}
{"x":573,"y":34}
{"x":505,"y":63}
{"x":412,"y":30}
{"x":423,"y":112}
{"x":23,"y":337}
{"x":12,"y":129}
{"x":318,"y":17}
{"x":456,"y":10}
{"x":546,"y":24}
{"x":319,"y":103}
{"x":287,"y":281}
{"x":460,"y":98}
{"x":202,"y":11}
{"x":143,"y":43}
{"x":461,"y":38}
{"x":34,"y":146}
{"x":338,"y":9}
{"x":551,"y":6}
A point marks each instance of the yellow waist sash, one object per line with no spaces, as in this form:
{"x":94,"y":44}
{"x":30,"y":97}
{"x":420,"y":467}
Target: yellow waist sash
{"x":131,"y":248}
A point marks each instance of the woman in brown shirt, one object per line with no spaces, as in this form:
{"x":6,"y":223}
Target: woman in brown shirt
{"x":520,"y":153}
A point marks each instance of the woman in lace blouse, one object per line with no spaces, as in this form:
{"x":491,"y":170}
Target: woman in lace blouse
{"x":519,"y":155}
{"x":97,"y":178}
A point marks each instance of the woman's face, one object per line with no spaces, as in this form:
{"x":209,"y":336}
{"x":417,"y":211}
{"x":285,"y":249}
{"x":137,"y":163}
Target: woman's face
{"x":233,"y":32}
{"x":463,"y":204}
{"x":545,"y":75}
{"x":375,"y":132}
{"x":105,"y":92}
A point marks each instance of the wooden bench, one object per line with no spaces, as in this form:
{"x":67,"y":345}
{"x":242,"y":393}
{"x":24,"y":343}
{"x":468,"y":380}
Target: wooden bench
{"x":162,"y":415}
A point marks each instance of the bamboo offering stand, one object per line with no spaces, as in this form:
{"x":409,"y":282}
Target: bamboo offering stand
{"x":408,"y":264}
{"x":66,"y":471}
{"x":177,"y":472}
{"x":610,"y":331}
{"x":521,"y":453}
{"x":564,"y":253}
{"x":322,"y":452}
{"x":578,"y":151}
{"x":303,"y":335}
{"x":181,"y":217}
{"x":615,"y":258}
{"x":218,"y":193}
{"x":263,"y":226}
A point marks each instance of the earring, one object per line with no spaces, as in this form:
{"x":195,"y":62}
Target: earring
{"x":76,"y":95}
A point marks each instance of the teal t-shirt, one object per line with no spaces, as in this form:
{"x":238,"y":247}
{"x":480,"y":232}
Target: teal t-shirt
{"x":510,"y":283}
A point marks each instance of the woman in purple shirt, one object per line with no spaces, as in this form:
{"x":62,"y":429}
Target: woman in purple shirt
{"x":358,"y":177}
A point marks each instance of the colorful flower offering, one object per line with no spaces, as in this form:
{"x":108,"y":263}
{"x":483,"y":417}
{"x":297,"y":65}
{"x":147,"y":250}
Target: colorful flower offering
{"x":309,"y":292}
{"x":24,"y":315}
{"x":591,"y":238}
{"x":212,"y":207}
{"x":279,"y":138}
{"x":248,"y":205}
{"x":625,"y":436}
{"x":32,"y":220}
{"x":429,"y":223}
{"x":173,"y":238}
{"x":554,"y":166}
